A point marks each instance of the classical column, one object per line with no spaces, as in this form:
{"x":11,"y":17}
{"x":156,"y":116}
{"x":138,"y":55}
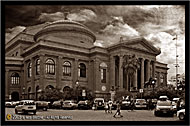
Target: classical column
{"x":58,"y":71}
{"x":148,"y":70}
{"x":165,"y":78}
{"x":33,"y":77}
{"x":42,"y":71}
{"x":7,"y":80}
{"x":112,"y":67}
{"x":76,"y":70}
{"x":25,"y":80}
{"x":158,"y":79}
{"x":142,"y":73}
{"x":135,"y":79}
{"x":126,"y":81}
{"x":120,"y":71}
{"x":153,"y":69}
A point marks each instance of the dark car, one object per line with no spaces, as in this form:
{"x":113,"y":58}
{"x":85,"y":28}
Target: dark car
{"x":99,"y":103}
{"x":125,"y":104}
{"x":164,"y":108}
{"x":84,"y":104}
{"x":44,"y":105}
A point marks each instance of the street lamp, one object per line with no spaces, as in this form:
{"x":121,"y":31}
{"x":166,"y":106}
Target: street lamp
{"x":77,"y":85}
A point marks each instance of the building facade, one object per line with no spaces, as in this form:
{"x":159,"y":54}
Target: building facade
{"x":62,"y":54}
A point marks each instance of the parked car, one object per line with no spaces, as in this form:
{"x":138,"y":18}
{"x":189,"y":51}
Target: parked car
{"x":15,"y":103}
{"x":99,"y":103}
{"x":42,"y":105}
{"x":141,"y":104}
{"x":9,"y":104}
{"x":57,"y":104}
{"x":164,"y":107}
{"x":26,"y":106}
{"x":125,"y":104}
{"x":69,"y":104}
{"x":84,"y":104}
{"x":181,"y":114}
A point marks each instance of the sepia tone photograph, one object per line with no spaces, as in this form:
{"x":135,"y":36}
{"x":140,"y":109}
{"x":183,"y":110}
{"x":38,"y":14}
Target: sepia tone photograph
{"x":95,"y":63}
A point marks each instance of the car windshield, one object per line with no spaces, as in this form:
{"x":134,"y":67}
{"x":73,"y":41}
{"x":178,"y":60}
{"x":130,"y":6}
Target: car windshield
{"x":29,"y":103}
{"x":82,"y":102}
{"x":164,"y":103}
{"x":67,"y":102}
{"x":141,"y":100}
{"x":98,"y":100}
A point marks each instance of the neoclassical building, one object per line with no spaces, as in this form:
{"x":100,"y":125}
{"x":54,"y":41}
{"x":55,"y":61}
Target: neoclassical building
{"x":62,"y":54}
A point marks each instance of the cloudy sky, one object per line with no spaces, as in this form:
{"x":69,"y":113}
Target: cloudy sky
{"x":158,"y":24}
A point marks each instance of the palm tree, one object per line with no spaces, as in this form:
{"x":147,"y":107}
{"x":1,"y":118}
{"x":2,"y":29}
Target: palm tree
{"x":131,"y":64}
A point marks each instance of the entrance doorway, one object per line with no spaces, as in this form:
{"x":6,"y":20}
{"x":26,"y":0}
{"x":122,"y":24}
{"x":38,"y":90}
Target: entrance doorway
{"x":15,"y":96}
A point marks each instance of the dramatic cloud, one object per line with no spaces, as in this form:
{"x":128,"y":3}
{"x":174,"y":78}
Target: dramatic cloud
{"x":157,"y":23}
{"x":12,"y":32}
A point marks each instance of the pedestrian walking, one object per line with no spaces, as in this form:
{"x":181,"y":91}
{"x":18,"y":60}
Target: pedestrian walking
{"x":132,"y":106}
{"x":106,"y":107}
{"x":118,"y":111}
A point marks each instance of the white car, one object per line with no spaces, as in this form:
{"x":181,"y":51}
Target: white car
{"x":164,"y":107}
{"x":26,"y":106}
{"x":181,"y":114}
{"x":140,"y":104}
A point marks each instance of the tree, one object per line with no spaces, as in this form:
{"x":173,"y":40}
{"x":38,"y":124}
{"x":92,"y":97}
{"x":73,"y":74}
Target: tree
{"x":51,"y":94}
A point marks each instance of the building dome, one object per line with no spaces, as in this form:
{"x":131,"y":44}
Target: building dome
{"x":65,"y":29}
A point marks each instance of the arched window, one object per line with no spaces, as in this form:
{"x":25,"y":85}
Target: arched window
{"x":37,"y":67}
{"x":66,"y":68}
{"x":82,"y":70}
{"x":50,"y":66}
{"x":15,"y":79}
{"x":29,"y":70}
{"x":103,"y":67}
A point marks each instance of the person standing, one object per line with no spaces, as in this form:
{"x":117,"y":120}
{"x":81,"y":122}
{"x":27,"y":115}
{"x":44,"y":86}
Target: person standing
{"x":132,"y":106}
{"x":106,"y":107}
{"x":118,"y":111}
{"x":110,"y":106}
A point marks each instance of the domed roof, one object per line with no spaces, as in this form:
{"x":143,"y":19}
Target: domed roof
{"x":65,"y":25}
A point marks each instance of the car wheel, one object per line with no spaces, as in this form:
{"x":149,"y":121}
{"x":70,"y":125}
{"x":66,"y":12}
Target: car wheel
{"x":16,"y":111}
{"x":181,"y":116}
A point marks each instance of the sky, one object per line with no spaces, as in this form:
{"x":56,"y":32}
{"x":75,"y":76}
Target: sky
{"x":159,"y":24}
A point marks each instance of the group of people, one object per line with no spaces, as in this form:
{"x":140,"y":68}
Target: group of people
{"x":108,"y":108}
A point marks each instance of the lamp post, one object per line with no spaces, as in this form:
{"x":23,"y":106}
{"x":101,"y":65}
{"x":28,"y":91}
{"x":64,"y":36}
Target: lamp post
{"x":23,"y":92}
{"x":176,"y":65}
{"x":77,"y":85}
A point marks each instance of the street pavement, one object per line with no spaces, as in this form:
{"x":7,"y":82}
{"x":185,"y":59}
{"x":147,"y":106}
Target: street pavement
{"x":86,"y":115}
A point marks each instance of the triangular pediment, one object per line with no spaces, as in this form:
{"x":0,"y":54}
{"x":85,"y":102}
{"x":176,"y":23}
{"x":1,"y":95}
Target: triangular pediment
{"x":139,"y":46}
{"x":143,"y":45}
